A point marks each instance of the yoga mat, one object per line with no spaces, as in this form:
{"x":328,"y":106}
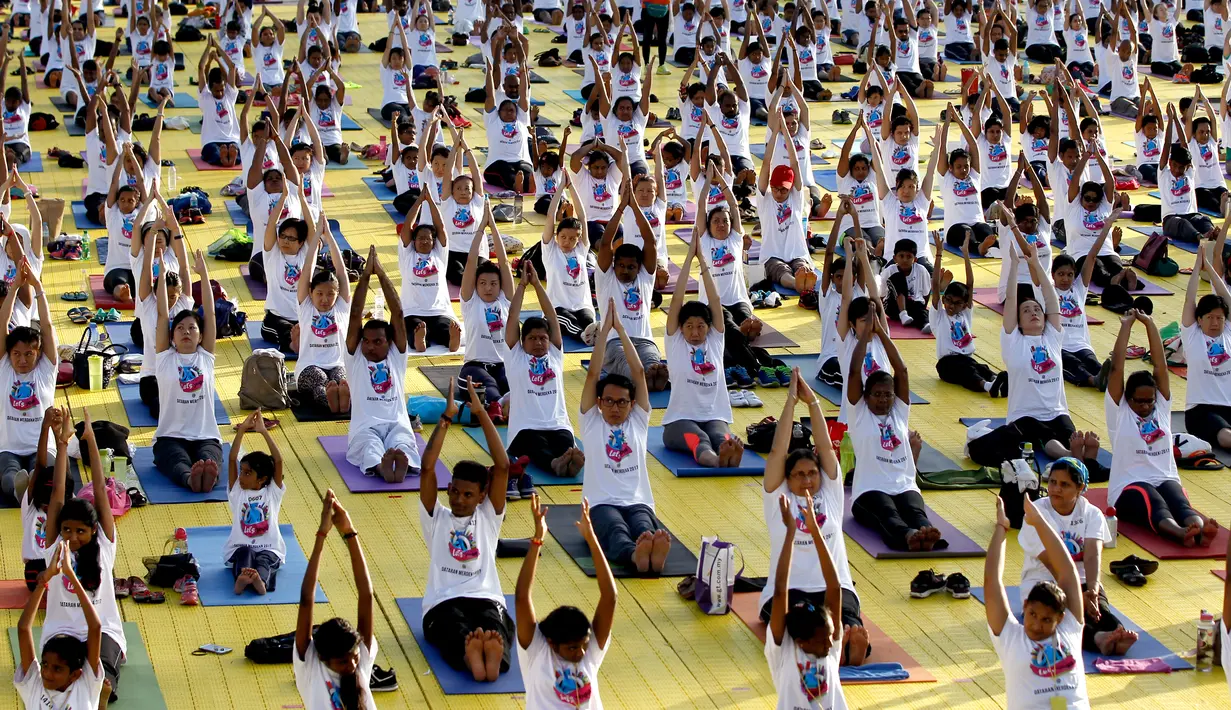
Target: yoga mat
{"x":541,"y":477}
{"x":958,"y":545}
{"x":658,"y":400}
{"x":1178,"y":426}
{"x":827,"y":179}
{"x":71,"y":127}
{"x":1148,"y":288}
{"x":1156,"y":545}
{"x":379,"y":190}
{"x":14,"y":595}
{"x":575,"y":94}
{"x":758,"y":151}
{"x":159,"y":489}
{"x":673,"y":273}
{"x":1146,"y":647}
{"x":258,"y":290}
{"x":681,"y":562}
{"x":1190,"y":247}
{"x":685,"y":466}
{"x":571,"y":344}
{"x":808,"y":367}
{"x":138,"y":685}
{"x":59,"y":103}
{"x":181,"y":100}
{"x":253,"y":330}
{"x":454,"y":682}
{"x":747,"y":606}
{"x":986,"y":297}
{"x":238,"y":217}
{"x":311,"y":413}
{"x":34,"y":164}
{"x":397,"y":217}
{"x":1041,"y":459}
{"x":356,"y":482}
{"x":354,"y":162}
{"x":217,"y":583}
{"x":139,"y":414}
{"x":1209,"y":213}
{"x":81,"y":217}
{"x":974,"y":253}
{"x":440,"y":376}
{"x":104,"y":300}
{"x":375,"y":113}
{"x":897,"y":331}
{"x":348,"y":124}
{"x":194,"y":154}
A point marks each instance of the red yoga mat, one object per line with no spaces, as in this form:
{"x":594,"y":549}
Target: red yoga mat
{"x":194,"y":154}
{"x":1157,"y":546}
{"x":102,"y":299}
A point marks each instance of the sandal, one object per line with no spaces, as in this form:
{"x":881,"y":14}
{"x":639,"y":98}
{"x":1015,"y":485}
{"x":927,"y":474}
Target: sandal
{"x":1144,"y":566}
{"x":75,"y":296}
{"x":137,"y":497}
{"x":142,"y":594}
{"x":122,"y":588}
{"x":1131,"y":575}
{"x":80,"y":316}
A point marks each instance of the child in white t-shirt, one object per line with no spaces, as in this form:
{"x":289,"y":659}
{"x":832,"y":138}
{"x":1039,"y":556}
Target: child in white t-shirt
{"x":907,"y":286}
{"x":46,"y":487}
{"x":255,"y":549}
{"x":952,"y":319}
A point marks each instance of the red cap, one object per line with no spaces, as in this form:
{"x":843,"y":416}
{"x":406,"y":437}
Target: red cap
{"x":782,"y":176}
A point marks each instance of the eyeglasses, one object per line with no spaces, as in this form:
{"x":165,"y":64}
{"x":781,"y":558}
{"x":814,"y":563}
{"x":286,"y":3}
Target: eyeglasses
{"x":621,"y":403}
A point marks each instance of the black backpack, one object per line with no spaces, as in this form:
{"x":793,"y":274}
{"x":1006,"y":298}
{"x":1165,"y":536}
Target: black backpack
{"x":172,"y":568}
{"x":760,"y":436}
{"x":272,"y":649}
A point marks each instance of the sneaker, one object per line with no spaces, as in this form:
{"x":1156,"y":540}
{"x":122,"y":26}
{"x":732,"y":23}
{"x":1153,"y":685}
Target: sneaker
{"x":905,"y":319}
{"x":21,"y":482}
{"x":841,"y":118}
{"x":1104,"y":374}
{"x":382,"y":680}
{"x":784,"y":375}
{"x":927,"y":583}
{"x":188,"y":594}
{"x":673,"y":114}
{"x":957,"y":585}
{"x":766,"y":377}
{"x":926,"y":329}
{"x":496,"y":412}
{"x":808,"y":299}
{"x":742,"y":380}
{"x":756,"y":298}
{"x":1000,"y":385}
{"x":513,"y":492}
{"x":590,"y":333}
{"x":525,"y":486}
{"x":730,"y":373}
{"x":773,"y":299}
{"x":416,"y":423}
{"x":738,"y":397}
{"x":751,"y":399}
{"x":664,"y":70}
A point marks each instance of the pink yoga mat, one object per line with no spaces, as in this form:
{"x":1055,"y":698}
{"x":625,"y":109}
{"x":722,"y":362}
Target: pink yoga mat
{"x":194,"y":154}
{"x":102,"y":299}
{"x":958,"y":544}
{"x":1157,"y":546}
{"x":986,"y":297}
{"x":335,"y":447}
{"x":673,"y":273}
{"x":1148,"y":288}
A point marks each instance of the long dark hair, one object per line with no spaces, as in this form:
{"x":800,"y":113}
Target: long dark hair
{"x":336,"y":638}
{"x":89,"y":569}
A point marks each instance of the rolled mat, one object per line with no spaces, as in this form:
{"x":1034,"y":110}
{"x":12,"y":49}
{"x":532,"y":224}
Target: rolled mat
{"x":217,"y":583}
{"x":357,"y":482}
{"x":451,"y":680}
{"x":956,"y":543}
{"x":560,"y":522}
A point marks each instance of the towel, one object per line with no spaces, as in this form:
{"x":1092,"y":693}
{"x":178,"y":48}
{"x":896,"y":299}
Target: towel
{"x":1131,"y":665}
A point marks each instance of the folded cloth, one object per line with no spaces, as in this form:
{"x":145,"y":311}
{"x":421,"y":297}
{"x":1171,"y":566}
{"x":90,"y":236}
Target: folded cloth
{"x":875,"y":672}
{"x":1131,"y":665}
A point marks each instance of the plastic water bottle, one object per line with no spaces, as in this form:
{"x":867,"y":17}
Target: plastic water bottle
{"x":378,"y":311}
{"x":85,"y":247}
{"x":177,"y":544}
{"x":1205,"y":642}
{"x":384,"y":148}
{"x":1112,"y":526}
{"x":517,"y":208}
{"x":172,"y":179}
{"x":119,"y":468}
{"x":105,"y":462}
{"x":1028,"y":455}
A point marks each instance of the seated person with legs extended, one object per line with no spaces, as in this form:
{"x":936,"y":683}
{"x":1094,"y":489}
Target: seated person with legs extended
{"x":255,"y":549}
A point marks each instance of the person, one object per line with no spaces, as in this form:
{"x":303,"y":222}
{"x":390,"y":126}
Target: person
{"x":784,"y":251}
{"x":1121,"y":68}
{"x":908,"y":285}
{"x":161,"y":71}
{"x":464,"y":614}
{"x":219,"y":126}
{"x":961,"y":186}
{"x":728,"y":115}
{"x":485,"y":306}
{"x":28,"y":375}
{"x":855,"y":178}
{"x":698,"y":415}
{"x":425,"y":293}
{"x":88,"y":532}
{"x":283,"y":259}
{"x":907,"y":206}
{"x":1204,"y":324}
{"x":255,"y":549}
{"x":16,"y":114}
{"x":379,"y":440}
{"x":267,"y":44}
{"x":898,"y":144}
{"x":462,"y":212}
{"x":1091,"y":206}
{"x":564,"y":258}
{"x":508,"y":126}
{"x":157,"y":264}
{"x":1041,"y":45}
{"x":323,"y":299}
{"x":561,"y":654}
{"x":265,"y":190}
{"x":1041,"y":655}
{"x":802,"y":642}
{"x":1202,"y":140}
{"x":125,"y":205}
{"x":48,"y":484}
{"x":952,"y":320}
{"x":333,"y":662}
{"x":326,"y":111}
{"x":615,"y":420}
{"x":67,"y":669}
{"x":1081,"y":366}
{"x":1180,"y":218}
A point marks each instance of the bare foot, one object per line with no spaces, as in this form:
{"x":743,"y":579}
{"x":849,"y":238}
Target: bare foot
{"x":914,"y":540}
{"x":641,"y":555}
{"x":209,"y":475}
{"x":1077,"y":445}
{"x":578,"y":461}
{"x":401,"y":466}
{"x":561,"y":463}
{"x":474,"y":655}
{"x":455,"y":336}
{"x":751,"y":328}
{"x":930,"y":537}
{"x":1131,"y":282}
{"x":731,"y":453}
{"x":194,"y":478}
{"x":104,"y":695}
{"x":331,"y":396}
{"x":657,"y":377}
{"x":244,"y":579}
{"x":519,"y":182}
{"x":916,"y":444}
{"x":1209,"y":531}
{"x":826,"y":202}
{"x":1190,"y":535}
{"x":1092,"y":444}
{"x":709,"y":459}
{"x":343,"y":397}
{"x":420,"y":336}
{"x":258,"y":584}
{"x":493,"y":654}
{"x":661,"y":278}
{"x":1127,"y":639}
{"x":295,"y":338}
{"x":122,"y":293}
{"x":1106,"y":642}
{"x":856,"y":638}
{"x":385,"y":469}
{"x":659,"y":549}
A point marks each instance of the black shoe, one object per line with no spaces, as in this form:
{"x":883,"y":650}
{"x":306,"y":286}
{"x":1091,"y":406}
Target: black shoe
{"x":1000,"y":385}
{"x":1130,"y":575}
{"x":1104,"y":374}
{"x":1146,"y":567}
{"x":927,"y":583}
{"x":957,"y":585}
{"x":382,"y":681}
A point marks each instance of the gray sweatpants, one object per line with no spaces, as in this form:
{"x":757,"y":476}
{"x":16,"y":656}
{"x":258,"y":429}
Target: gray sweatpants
{"x":695,"y":437}
{"x":615,"y":362}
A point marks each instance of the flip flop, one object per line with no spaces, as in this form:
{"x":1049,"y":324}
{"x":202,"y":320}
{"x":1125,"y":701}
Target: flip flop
{"x":1146,"y":567}
{"x":122,"y":588}
{"x":75,"y":296}
{"x":80,"y":316}
{"x":110,"y":316}
{"x":142,"y":594}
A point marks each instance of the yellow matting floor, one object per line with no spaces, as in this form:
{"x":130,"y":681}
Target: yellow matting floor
{"x":666,"y":653}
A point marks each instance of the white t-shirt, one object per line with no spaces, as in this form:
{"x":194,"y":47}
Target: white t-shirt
{"x":422,"y":48}
{"x":536,"y":388}
{"x":906,"y":52}
{"x":1216,"y":33}
{"x":1036,"y":672}
{"x":1086,"y":522}
{"x":782,"y":227}
{"x":625,"y":83}
{"x":254,"y":520}
{"x":756,"y":76}
{"x":162,"y":73}
{"x":393,"y":85}
{"x":1123,"y":77}
{"x":1177,"y":193}
{"x":1149,"y":150}
{"x":1206,"y":164}
{"x":962,"y":201}
{"x":64,"y":609}
{"x":632,"y":301}
{"x":884,"y":461}
{"x":247,"y":151}
{"x":801,"y":144}
{"x":1035,"y":374}
{"x":424,"y":289}
{"x":485,"y":336}
{"x":734,"y":130}
{"x":17,"y":124}
{"x":462,"y":221}
{"x":377,"y":390}
{"x":462,"y":554}
{"x":615,"y":467}
{"x":282,"y":272}
{"x":1163,"y":32}
{"x":1060,"y":177}
{"x":874,"y":358}
{"x":996,"y":160}
{"x":82,"y":693}
{"x":698,"y":385}
{"x":1082,"y":227}
{"x":908,"y":221}
{"x":1073,"y":317}
{"x":186,"y":395}
{"x":599,"y":196}
{"x":553,"y":683}
{"x":1003,"y":74}
{"x":268,"y":62}
{"x":726,"y":262}
{"x":33,"y":531}
{"x":896,"y":157}
{"x":1141,"y":447}
{"x":627,"y":135}
{"x":322,"y":336}
{"x":1208,"y":381}
{"x":866,"y":199}
{"x":261,"y":205}
{"x":690,"y":118}
{"x":568,"y":281}
{"x":804,"y":681}
{"x":507,"y":141}
{"x":328,"y":122}
{"x":806,"y":574}
{"x":318,"y":686}
{"x":953,"y":334}
{"x":1039,"y":28}
{"x":120,"y":238}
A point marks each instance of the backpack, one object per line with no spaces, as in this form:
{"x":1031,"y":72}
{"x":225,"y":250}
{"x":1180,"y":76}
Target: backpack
{"x":1153,"y":258}
{"x":549,"y":58}
{"x":43,"y":122}
{"x":273,"y":649}
{"x":234,"y":245}
{"x":760,"y":436}
{"x":117,"y":497}
{"x":264,"y":383}
{"x":229,"y":319}
{"x":188,"y":33}
{"x":172,"y":568}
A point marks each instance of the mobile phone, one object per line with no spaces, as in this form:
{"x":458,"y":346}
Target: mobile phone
{"x":214,"y":648}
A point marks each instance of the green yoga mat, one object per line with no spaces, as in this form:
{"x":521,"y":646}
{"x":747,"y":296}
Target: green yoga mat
{"x":138,"y":687}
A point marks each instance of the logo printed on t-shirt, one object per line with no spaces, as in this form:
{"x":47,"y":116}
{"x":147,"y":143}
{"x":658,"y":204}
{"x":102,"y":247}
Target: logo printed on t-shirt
{"x":335,"y":695}
{"x":540,"y":371}
{"x":22,"y":396}
{"x":1048,"y":661}
{"x":801,"y":522}
{"x":462,"y":218}
{"x":909,"y":215}
{"x":1180,"y":186}
{"x":379,"y":374}
{"x":812,"y":678}
{"x":632,"y":299}
{"x":423,"y":266}
{"x":254,"y":518}
{"x":290,"y":274}
{"x":1075,"y":544}
{"x":721,"y":255}
{"x":1069,"y":307}
{"x":324,"y":324}
{"x":572,"y":686}
{"x":889,"y":440}
{"x":963,"y":188}
{"x":461,"y":544}
{"x":617,"y":447}
{"x":191,"y":379}
{"x":40,"y":532}
{"x":900,"y":155}
{"x":958,"y":335}
{"x":870,"y":365}
{"x":1040,"y":360}
{"x":491,"y":315}
{"x":700,"y":364}
{"x":1216,"y":353}
{"x":1149,"y":429}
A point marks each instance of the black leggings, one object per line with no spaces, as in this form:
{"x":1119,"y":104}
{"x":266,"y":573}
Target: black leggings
{"x":541,"y":446}
{"x":1148,"y":505}
{"x":992,"y":194}
{"x":277,"y":330}
{"x":490,"y":375}
{"x":1080,"y":366}
{"x":654,"y":31}
{"x":438,"y":331}
{"x":1210,"y":198}
{"x":1105,"y":268}
{"x":502,"y":173}
{"x":447,"y":625}
{"x":1187,"y":227}
{"x":574,"y":323}
{"x":456,"y":265}
{"x":148,"y":389}
{"x":1005,"y":443}
{"x":737,"y":351}
{"x":964,"y":370}
{"x":1206,"y":420}
{"x":1165,"y":68}
{"x":1083,"y":69}
{"x":894,"y":517}
{"x":1107,"y":621}
{"x":1045,"y":53}
{"x":174,"y":457}
{"x":977,"y":231}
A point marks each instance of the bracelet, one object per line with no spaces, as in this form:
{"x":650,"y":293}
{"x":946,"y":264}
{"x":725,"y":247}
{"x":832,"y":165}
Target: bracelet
{"x":179,"y":236}
{"x":536,"y":541}
{"x":349,"y":535}
{"x":322,"y":534}
{"x":38,"y":294}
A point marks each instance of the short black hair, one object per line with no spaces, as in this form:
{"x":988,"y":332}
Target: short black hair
{"x":614,"y":380}
{"x":262,"y":464}
{"x":696,"y":309}
{"x":565,"y":624}
{"x":472,"y":472}
{"x":906,"y":245}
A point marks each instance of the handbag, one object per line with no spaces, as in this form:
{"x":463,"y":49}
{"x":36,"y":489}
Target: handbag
{"x":117,"y":497}
{"x":171,"y":568}
{"x":716,"y":575}
{"x":88,"y":347}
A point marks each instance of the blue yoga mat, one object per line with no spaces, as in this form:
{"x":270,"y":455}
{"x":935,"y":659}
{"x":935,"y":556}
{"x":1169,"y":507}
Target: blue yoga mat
{"x":101,"y":246}
{"x":160,"y":490}
{"x":237,"y":215}
{"x":1041,"y":459}
{"x":658,"y":400}
{"x":379,"y":190}
{"x":253,"y":330}
{"x":120,"y":333}
{"x":1146,"y":647}
{"x":571,"y":344}
{"x":974,"y":251}
{"x":575,"y":94}
{"x":397,"y":217}
{"x":541,"y":477}
{"x":1209,"y":213}
{"x":182,"y":100}
{"x":684,"y":466}
{"x":809,"y":367}
{"x":34,"y":164}
{"x":348,"y":123}
{"x":454,"y":682}
{"x":139,"y":414}
{"x":354,"y":162}
{"x":217,"y":583}
{"x":827,"y":179}
{"x":81,"y":218}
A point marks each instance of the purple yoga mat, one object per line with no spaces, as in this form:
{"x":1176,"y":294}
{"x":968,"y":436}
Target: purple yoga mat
{"x":1149,"y":288}
{"x":258,"y":290}
{"x":673,"y":273}
{"x":335,"y":447}
{"x":870,"y":540}
{"x":754,"y":252}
